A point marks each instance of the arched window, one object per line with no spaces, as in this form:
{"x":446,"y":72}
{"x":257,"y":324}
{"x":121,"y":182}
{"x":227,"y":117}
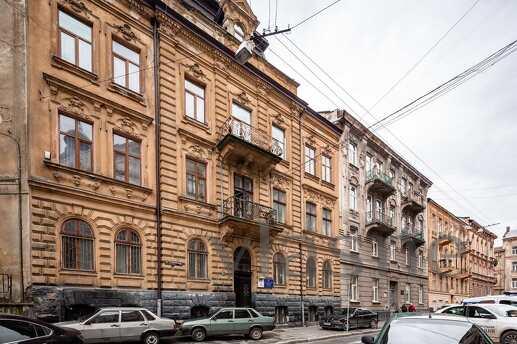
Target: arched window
{"x":279,"y":269}
{"x":327,"y":275}
{"x":128,"y":252}
{"x":197,"y":260}
{"x":238,"y":32}
{"x":311,"y":273}
{"x":77,"y":245}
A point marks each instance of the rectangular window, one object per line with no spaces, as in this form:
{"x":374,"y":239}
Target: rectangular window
{"x":375,"y":288}
{"x":514,"y":251}
{"x":326,"y":169}
{"x":514,"y":266}
{"x":392,"y":250}
{"x":352,"y":153}
{"x":420,"y":294}
{"x":126,"y":159}
{"x":278,"y":135}
{"x":126,"y":67}
{"x":310,"y":216}
{"x":353,"y":238}
{"x":354,"y":288}
{"x":327,"y":222}
{"x":241,"y":114}
{"x":279,"y":205}
{"x":407,"y":293}
{"x":369,"y":164}
{"x":196,"y":179}
{"x":514,"y":283}
{"x":353,"y":197}
{"x":310,"y":160}
{"x":420,"y":259}
{"x":75,"y":41}
{"x":75,"y":143}
{"x":375,"y":248}
{"x":194,"y":101}
{"x":406,"y":251}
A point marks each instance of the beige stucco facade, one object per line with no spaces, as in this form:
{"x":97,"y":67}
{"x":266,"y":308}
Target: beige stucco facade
{"x":185,"y":44}
{"x":461,"y":256}
{"x":506,"y":269}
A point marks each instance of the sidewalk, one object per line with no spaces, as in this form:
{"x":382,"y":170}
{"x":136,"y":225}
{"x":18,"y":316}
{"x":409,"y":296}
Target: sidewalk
{"x":287,"y":335}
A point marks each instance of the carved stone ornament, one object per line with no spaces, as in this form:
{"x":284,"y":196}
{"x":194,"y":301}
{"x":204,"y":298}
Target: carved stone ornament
{"x":354,"y":181}
{"x":243,"y":98}
{"x":280,"y":181}
{"x":198,"y":210}
{"x":310,"y":140}
{"x":278,"y":119}
{"x":198,"y":151}
{"x":167,"y":25}
{"x":78,"y":6}
{"x":319,"y":198}
{"x":76,"y":180}
{"x":127,"y":32}
{"x":327,"y":150}
{"x":196,"y":71}
{"x":74,"y":105}
{"x":127,"y":125}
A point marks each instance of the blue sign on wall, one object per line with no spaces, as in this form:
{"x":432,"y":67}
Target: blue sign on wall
{"x":269,"y":282}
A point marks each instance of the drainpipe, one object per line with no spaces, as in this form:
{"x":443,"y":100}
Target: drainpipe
{"x":301,"y":284}
{"x":156,"y":75}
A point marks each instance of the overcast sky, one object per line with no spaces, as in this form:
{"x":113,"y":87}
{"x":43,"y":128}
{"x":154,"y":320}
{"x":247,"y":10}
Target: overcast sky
{"x":468,"y":136}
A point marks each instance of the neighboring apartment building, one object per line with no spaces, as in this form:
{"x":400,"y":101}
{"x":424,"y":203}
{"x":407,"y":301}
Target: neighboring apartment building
{"x":237,"y":204}
{"x":383,"y":204}
{"x":506,"y":269}
{"x":448,"y":256}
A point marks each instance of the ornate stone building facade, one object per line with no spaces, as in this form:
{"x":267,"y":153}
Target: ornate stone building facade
{"x":506,"y":269}
{"x":165,"y":174}
{"x":461,"y":255}
{"x":383,"y":217}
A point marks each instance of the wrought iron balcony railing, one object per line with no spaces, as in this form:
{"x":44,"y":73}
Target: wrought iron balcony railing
{"x":249,"y":134}
{"x":379,"y":217}
{"x":247,"y":210}
{"x":411,"y":232}
{"x":376,"y":174}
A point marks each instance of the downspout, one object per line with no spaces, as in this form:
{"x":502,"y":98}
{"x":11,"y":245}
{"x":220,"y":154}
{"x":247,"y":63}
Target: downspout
{"x":156,"y":74}
{"x":302,"y":168}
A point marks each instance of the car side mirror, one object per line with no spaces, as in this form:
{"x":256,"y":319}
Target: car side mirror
{"x":367,"y":339}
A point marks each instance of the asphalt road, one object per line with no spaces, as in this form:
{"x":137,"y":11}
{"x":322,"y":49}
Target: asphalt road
{"x":355,"y":339}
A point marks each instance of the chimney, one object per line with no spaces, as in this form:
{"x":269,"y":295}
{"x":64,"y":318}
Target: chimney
{"x":507,"y":230}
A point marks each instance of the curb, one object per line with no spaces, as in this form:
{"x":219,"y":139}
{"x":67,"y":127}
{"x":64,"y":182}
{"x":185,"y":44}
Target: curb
{"x":312,"y":339}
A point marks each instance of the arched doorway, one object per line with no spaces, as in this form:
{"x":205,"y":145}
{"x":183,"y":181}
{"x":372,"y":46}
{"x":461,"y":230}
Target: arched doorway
{"x":242,"y":277}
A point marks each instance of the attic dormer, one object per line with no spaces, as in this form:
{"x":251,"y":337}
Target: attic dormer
{"x":239,"y":19}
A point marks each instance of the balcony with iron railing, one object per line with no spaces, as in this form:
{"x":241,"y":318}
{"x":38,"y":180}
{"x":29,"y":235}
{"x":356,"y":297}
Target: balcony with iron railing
{"x":446,"y":266}
{"x":413,"y":201}
{"x":379,"y":183}
{"x":380,"y":223}
{"x":411,"y":235}
{"x":243,"y":145}
{"x":243,"y":217}
{"x":444,"y":238}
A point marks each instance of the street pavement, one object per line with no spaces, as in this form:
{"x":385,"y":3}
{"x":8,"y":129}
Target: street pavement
{"x":289,"y":335}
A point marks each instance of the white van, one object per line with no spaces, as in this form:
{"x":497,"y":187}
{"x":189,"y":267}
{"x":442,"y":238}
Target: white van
{"x":497,"y":299}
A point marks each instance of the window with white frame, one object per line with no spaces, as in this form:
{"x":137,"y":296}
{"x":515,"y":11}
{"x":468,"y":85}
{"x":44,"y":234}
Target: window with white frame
{"x":353,"y":197}
{"x":195,"y":101}
{"x":392,"y":250}
{"x":420,"y":294}
{"x":352,"y":153}
{"x":514,"y":283}
{"x":514,"y":251}
{"x":75,"y":41}
{"x":369,"y":163}
{"x":353,"y":240}
{"x":354,"y":288}
{"x":375,"y":248}
{"x":420,"y":259}
{"x":278,"y":135}
{"x":326,"y":221}
{"x":514,"y":266}
{"x":407,"y":293}
{"x":406,"y":252}
{"x":126,"y":67}
{"x":375,"y":289}
{"x":326,"y":169}
{"x":310,"y":160}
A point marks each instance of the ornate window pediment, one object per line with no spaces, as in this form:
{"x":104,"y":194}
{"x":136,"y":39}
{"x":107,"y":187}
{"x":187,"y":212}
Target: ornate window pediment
{"x":239,"y":19}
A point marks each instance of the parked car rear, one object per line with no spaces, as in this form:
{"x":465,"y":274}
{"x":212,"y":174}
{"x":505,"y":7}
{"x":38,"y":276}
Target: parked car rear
{"x":352,"y":318}
{"x":123,"y":324}
{"x":18,"y":329}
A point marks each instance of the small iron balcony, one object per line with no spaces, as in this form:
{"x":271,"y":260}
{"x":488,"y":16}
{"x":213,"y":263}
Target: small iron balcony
{"x":446,"y":266}
{"x":242,"y":217}
{"x":242,"y":145}
{"x":412,"y":235}
{"x":379,"y":222}
{"x":413,"y":201}
{"x":444,"y":239}
{"x":379,"y":183}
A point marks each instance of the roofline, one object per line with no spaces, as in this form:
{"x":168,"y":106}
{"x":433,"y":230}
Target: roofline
{"x":247,"y":66}
{"x":457,"y":218}
{"x":390,"y":150}
{"x":487,"y":231}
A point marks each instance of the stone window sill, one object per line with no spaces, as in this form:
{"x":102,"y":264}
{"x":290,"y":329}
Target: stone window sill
{"x":126,"y":92}
{"x":58,"y":62}
{"x":128,"y":276}
{"x":354,"y":251}
{"x":201,"y":125}
{"x":311,"y":176}
{"x":74,"y":272}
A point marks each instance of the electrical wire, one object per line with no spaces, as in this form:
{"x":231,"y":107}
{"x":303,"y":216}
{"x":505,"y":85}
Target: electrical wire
{"x":417,"y":63}
{"x":446,"y":87}
{"x":315,"y":14}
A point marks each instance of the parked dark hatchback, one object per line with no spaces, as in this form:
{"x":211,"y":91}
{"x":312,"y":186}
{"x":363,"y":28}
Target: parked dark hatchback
{"x":17,"y":329}
{"x":357,"y":318}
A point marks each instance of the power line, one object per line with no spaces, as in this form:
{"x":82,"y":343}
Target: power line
{"x":315,"y":14}
{"x":407,"y":148}
{"x":446,"y":87}
{"x":413,"y":67}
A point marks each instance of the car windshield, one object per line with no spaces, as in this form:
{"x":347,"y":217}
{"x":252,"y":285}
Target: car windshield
{"x":404,"y":331}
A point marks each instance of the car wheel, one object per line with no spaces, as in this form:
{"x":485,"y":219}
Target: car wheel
{"x":151,"y":338}
{"x":198,"y":334}
{"x":373,"y":323}
{"x":509,"y":337}
{"x":256,"y":333}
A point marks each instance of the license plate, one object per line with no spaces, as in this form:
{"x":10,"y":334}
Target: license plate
{"x":326,"y":323}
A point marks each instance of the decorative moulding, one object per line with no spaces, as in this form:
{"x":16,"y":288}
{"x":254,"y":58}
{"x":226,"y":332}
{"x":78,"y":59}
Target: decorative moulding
{"x":126,"y":32}
{"x":78,"y":7}
{"x":196,"y":71}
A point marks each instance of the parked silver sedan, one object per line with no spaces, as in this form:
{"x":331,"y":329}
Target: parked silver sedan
{"x":123,"y":324}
